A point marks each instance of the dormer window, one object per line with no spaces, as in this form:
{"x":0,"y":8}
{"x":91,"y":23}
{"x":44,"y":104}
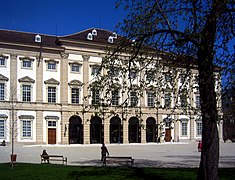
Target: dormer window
{"x":110,"y":39}
{"x":38,"y":38}
{"x":94,"y":32}
{"x":114,"y":35}
{"x":89,"y":37}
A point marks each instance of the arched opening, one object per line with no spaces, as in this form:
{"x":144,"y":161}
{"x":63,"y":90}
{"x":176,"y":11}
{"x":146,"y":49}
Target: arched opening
{"x":116,"y":130}
{"x":151,"y":130}
{"x":134,"y":130}
{"x":75,"y":130}
{"x":96,"y":130}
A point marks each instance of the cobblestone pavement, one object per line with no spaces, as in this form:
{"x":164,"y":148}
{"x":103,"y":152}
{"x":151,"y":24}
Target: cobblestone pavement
{"x":145,"y":155}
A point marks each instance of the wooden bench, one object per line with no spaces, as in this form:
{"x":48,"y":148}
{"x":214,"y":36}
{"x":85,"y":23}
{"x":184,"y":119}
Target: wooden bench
{"x":53,"y":158}
{"x":120,"y":159}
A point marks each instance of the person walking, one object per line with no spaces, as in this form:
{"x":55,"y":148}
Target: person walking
{"x":104,"y":152}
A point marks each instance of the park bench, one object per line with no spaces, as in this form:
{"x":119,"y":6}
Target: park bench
{"x":126,"y":159}
{"x":54,"y":158}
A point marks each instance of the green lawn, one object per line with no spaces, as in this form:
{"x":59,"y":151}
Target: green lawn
{"x":57,"y":172}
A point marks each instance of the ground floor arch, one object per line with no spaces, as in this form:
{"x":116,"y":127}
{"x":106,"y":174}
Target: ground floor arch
{"x":116,"y":130}
{"x":134,"y":130}
{"x":75,"y":130}
{"x":96,"y":130}
{"x":151,"y":130}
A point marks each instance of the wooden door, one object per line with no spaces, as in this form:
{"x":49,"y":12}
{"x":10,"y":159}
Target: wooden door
{"x":168,"y":135}
{"x":51,"y":136}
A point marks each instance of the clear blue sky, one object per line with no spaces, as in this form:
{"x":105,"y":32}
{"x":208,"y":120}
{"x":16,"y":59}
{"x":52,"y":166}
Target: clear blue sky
{"x":59,"y":17}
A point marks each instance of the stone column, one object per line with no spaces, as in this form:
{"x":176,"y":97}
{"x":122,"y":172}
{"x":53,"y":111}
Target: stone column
{"x":125,"y":132}
{"x":143,"y":130}
{"x":64,"y":78}
{"x":39,"y":80}
{"x":192,"y":124}
{"x":86,"y":130}
{"x":106,"y":131}
{"x":176,"y":128}
{"x":86,"y":76}
{"x":39,"y":127}
{"x":13,"y":77}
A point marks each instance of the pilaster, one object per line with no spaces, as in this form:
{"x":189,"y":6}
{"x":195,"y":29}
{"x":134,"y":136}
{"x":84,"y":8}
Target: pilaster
{"x":64,"y":78}
{"x":39,"y":127}
{"x":86,"y":76}
{"x":39,"y":80}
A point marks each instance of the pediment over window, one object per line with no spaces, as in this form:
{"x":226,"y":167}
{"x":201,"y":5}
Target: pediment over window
{"x":3,"y":78}
{"x":52,"y":81}
{"x":52,"y":118}
{"x":26,"y":117}
{"x":3,"y":116}
{"x":26,"y":79}
{"x":75,"y":83}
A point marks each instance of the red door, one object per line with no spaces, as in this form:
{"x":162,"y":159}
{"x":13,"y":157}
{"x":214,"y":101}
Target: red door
{"x":51,"y":136}
{"x":167,"y":135}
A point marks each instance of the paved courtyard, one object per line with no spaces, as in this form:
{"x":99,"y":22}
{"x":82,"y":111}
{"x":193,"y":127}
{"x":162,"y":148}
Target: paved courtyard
{"x":145,"y":155}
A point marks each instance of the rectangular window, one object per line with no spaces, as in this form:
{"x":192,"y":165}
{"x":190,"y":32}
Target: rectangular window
{"x":95,"y":70}
{"x":95,"y":97}
{"x":51,"y":66}
{"x":115,"y":98}
{"x":26,"y":63}
{"x":2,"y":61}
{"x":26,"y":93}
{"x":2,"y":91}
{"x":184,"y":127}
{"x":199,"y":128}
{"x":75,"y":68}
{"x":2,"y":128}
{"x":150,"y":76}
{"x":75,"y":96}
{"x":114,"y":72}
{"x":183,"y":99}
{"x":52,"y":94}
{"x":150,"y":99}
{"x":133,"y":99}
{"x":198,"y":105}
{"x":51,"y":124}
{"x":27,"y":129}
{"x":132,"y":74}
{"x":167,"y":100}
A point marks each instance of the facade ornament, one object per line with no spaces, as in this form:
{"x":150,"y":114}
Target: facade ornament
{"x":64,"y":55}
{"x":85,"y":57}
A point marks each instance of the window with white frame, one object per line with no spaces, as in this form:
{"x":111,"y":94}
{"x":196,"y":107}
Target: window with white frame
{"x":115,"y":98}
{"x":27,"y":64}
{"x":114,"y":72}
{"x":2,"y":128}
{"x":26,"y":128}
{"x":132,"y":74}
{"x":51,"y":66}
{"x":3,"y":61}
{"x":2,"y":91}
{"x":198,"y":105}
{"x":150,"y":75}
{"x":150,"y":99}
{"x":133,"y":99}
{"x":51,"y":94}
{"x":26,"y":93}
{"x":75,"y":67}
{"x":167,"y":99}
{"x":95,"y":70}
{"x":51,"y":123}
{"x":184,"y":128}
{"x":75,"y":95}
{"x":199,"y":128}
{"x":95,"y":96}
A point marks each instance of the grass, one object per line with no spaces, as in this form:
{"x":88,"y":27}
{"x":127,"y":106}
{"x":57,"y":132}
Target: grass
{"x":56,"y":172}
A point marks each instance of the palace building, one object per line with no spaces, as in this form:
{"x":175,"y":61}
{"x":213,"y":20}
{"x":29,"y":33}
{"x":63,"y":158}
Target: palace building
{"x":45,"y":96}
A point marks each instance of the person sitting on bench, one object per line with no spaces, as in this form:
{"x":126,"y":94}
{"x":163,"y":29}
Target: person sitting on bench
{"x":3,"y":143}
{"x":45,"y":156}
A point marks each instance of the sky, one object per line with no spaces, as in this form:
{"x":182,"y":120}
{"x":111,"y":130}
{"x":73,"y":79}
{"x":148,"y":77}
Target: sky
{"x":59,"y":17}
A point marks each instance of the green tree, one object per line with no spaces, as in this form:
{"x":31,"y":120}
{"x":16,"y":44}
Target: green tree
{"x":201,"y":29}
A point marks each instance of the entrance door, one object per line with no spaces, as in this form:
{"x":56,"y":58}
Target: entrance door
{"x":75,"y":130}
{"x":51,"y":136}
{"x":167,"y":135}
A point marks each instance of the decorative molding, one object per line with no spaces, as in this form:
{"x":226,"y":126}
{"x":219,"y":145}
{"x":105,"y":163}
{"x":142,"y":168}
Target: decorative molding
{"x":52,"y":81}
{"x":85,"y":57}
{"x":3,"y":56}
{"x":26,"y":117}
{"x":3,"y":78}
{"x":64,"y":55}
{"x":52,"y":117}
{"x":75,"y":83}
{"x":51,"y":60}
{"x":4,"y":116}
{"x":26,"y":79}
{"x":26,"y":58}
